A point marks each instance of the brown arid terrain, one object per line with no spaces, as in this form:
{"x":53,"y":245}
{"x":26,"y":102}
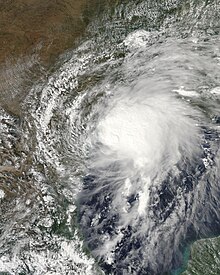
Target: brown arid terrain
{"x":45,"y":26}
{"x":33,"y":33}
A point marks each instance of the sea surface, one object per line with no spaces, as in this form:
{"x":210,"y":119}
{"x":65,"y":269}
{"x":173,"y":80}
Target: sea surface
{"x":112,"y":164}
